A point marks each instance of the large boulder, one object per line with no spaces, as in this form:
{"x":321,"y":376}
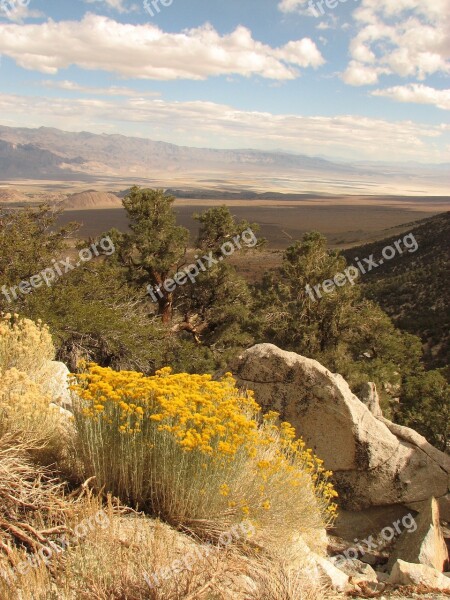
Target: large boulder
{"x":424,"y":545}
{"x":446,"y":534}
{"x":376,"y":464}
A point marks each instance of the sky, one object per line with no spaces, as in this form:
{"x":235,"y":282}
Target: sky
{"x":351,"y":80}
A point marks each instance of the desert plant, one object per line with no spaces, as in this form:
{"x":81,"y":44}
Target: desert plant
{"x":194,"y":452}
{"x":25,"y":410}
{"x":28,"y":414}
{"x":30,"y":240}
{"x":25,"y":346}
{"x":156,"y":244}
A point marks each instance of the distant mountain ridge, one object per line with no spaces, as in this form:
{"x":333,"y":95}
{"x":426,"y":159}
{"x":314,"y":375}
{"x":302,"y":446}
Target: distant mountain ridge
{"x":12,"y":196}
{"x":114,"y":149}
{"x":54,"y":154}
{"x":30,"y":160}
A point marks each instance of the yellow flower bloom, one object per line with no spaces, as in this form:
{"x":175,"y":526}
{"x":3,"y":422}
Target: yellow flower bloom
{"x":224,"y":489}
{"x":213,"y":426}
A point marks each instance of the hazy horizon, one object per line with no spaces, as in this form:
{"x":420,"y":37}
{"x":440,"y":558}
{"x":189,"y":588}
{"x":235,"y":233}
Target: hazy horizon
{"x":364,"y":81}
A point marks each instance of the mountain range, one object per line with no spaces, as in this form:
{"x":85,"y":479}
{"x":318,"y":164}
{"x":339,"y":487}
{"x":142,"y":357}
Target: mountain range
{"x":51,"y":154}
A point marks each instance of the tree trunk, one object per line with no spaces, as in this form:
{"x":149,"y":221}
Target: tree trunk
{"x":165,"y":308}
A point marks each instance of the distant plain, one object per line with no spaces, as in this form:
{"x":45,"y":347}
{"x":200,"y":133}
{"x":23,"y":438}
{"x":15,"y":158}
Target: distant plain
{"x":345,"y":221}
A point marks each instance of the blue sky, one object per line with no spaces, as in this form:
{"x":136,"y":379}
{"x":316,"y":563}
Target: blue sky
{"x":367,"y":80}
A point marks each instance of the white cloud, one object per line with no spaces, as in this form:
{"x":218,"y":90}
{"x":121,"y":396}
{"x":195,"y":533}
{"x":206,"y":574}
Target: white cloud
{"x":418,"y":93}
{"x":291,"y":5}
{"x":407,"y":38}
{"x":311,"y":8}
{"x":297,"y":6}
{"x":117,"y":5}
{"x":113,"y":90}
{"x":218,"y":125}
{"x":359,"y":74}
{"x":147,"y":52}
{"x":12,"y":10}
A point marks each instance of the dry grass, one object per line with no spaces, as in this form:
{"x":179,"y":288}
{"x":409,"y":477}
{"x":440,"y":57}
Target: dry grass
{"x":27,"y":494}
{"x":111,"y":562}
{"x":32,"y":508}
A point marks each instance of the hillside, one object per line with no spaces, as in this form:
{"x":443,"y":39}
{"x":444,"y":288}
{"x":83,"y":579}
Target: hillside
{"x":12,"y":196}
{"x":25,"y":160}
{"x":91,"y":199}
{"x":413,"y":288}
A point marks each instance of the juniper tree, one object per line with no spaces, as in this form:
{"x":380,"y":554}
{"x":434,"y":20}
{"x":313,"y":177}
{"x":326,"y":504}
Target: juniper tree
{"x":156,"y":246}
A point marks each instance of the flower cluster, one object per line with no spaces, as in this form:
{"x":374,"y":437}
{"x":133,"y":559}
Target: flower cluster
{"x":21,"y":397}
{"x":202,"y":414}
{"x":289,"y":455}
{"x":242,"y":458}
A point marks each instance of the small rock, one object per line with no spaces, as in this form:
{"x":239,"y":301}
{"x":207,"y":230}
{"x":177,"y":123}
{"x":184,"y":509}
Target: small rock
{"x":404,"y":573}
{"x":56,"y":384}
{"x":370,"y":559}
{"x":332,"y":576}
{"x":356,"y":569}
{"x":369,"y":396}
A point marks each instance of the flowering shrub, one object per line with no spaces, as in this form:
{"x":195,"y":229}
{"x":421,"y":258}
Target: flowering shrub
{"x":20,"y":398}
{"x":196,"y":453}
{"x":24,"y":345}
{"x":25,"y":349}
